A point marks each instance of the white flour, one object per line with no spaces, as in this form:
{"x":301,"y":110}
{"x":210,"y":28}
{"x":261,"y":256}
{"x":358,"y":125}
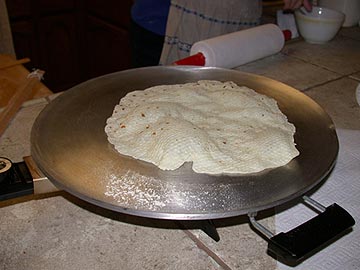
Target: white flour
{"x":135,"y":191}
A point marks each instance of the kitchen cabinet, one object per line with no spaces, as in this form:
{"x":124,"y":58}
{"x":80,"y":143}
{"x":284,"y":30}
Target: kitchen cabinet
{"x":107,"y":47}
{"x":58,"y":50}
{"x":22,"y":33}
{"x":71,"y":40}
{"x":113,"y":12}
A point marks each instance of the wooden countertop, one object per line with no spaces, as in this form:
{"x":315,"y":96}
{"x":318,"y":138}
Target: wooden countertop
{"x":16,"y":86}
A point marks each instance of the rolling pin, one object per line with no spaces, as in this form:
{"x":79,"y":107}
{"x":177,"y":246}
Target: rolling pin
{"x":237,"y":48}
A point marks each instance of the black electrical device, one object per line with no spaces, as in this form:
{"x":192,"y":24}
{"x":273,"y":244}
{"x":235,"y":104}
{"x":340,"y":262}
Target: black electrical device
{"x":15,"y":179}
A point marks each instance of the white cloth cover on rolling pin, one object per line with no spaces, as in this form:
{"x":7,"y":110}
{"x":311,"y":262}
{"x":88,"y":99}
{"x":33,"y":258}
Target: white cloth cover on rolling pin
{"x":241,"y":47}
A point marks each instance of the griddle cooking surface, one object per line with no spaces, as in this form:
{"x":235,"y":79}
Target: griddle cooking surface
{"x":70,"y":146}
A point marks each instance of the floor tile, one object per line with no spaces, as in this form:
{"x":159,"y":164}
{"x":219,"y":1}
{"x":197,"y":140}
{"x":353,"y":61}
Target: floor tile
{"x":53,"y":96}
{"x":34,"y":102}
{"x":351,"y":32}
{"x":15,"y":141}
{"x":340,"y":55}
{"x":338,"y":100}
{"x":355,"y":76}
{"x":55,"y":233}
{"x":239,"y":247}
{"x":291,"y":71}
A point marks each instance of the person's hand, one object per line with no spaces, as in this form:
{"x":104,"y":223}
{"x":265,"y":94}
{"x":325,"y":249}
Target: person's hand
{"x":294,"y":4}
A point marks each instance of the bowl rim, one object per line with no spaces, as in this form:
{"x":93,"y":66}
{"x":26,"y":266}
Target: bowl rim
{"x":340,"y":16}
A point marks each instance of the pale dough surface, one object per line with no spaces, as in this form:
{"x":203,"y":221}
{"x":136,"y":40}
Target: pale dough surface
{"x":218,"y":126}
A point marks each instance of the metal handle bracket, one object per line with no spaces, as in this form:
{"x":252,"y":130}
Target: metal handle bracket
{"x":303,"y":241}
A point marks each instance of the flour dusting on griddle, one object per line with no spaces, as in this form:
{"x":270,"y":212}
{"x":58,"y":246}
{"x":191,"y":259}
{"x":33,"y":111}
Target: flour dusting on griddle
{"x":133,"y":189}
{"x":136,"y":191}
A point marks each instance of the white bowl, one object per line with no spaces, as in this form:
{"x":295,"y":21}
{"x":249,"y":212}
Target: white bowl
{"x":351,"y":9}
{"x":320,"y":25}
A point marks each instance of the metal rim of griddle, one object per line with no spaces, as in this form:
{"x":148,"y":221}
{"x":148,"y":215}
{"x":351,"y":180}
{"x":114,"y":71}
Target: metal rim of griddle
{"x":69,"y":145}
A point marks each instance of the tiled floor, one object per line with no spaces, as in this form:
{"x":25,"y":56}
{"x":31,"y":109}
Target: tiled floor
{"x":15,"y":142}
{"x":338,"y":99}
{"x":290,"y":70}
{"x":340,"y":55}
{"x":61,"y":232}
{"x":55,"y":233}
{"x":327,"y":73}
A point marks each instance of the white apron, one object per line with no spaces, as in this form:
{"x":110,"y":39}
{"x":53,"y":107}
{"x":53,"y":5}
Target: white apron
{"x":190,"y":21}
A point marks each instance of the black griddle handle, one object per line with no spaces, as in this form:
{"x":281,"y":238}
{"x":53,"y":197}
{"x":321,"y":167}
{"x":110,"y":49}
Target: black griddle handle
{"x":305,"y":240}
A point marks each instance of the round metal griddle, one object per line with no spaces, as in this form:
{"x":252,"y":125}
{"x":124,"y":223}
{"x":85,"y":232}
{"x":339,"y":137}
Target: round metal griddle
{"x":70,"y":146}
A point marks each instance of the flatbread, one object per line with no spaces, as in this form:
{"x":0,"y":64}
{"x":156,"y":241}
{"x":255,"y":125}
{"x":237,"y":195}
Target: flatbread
{"x":218,"y":126}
